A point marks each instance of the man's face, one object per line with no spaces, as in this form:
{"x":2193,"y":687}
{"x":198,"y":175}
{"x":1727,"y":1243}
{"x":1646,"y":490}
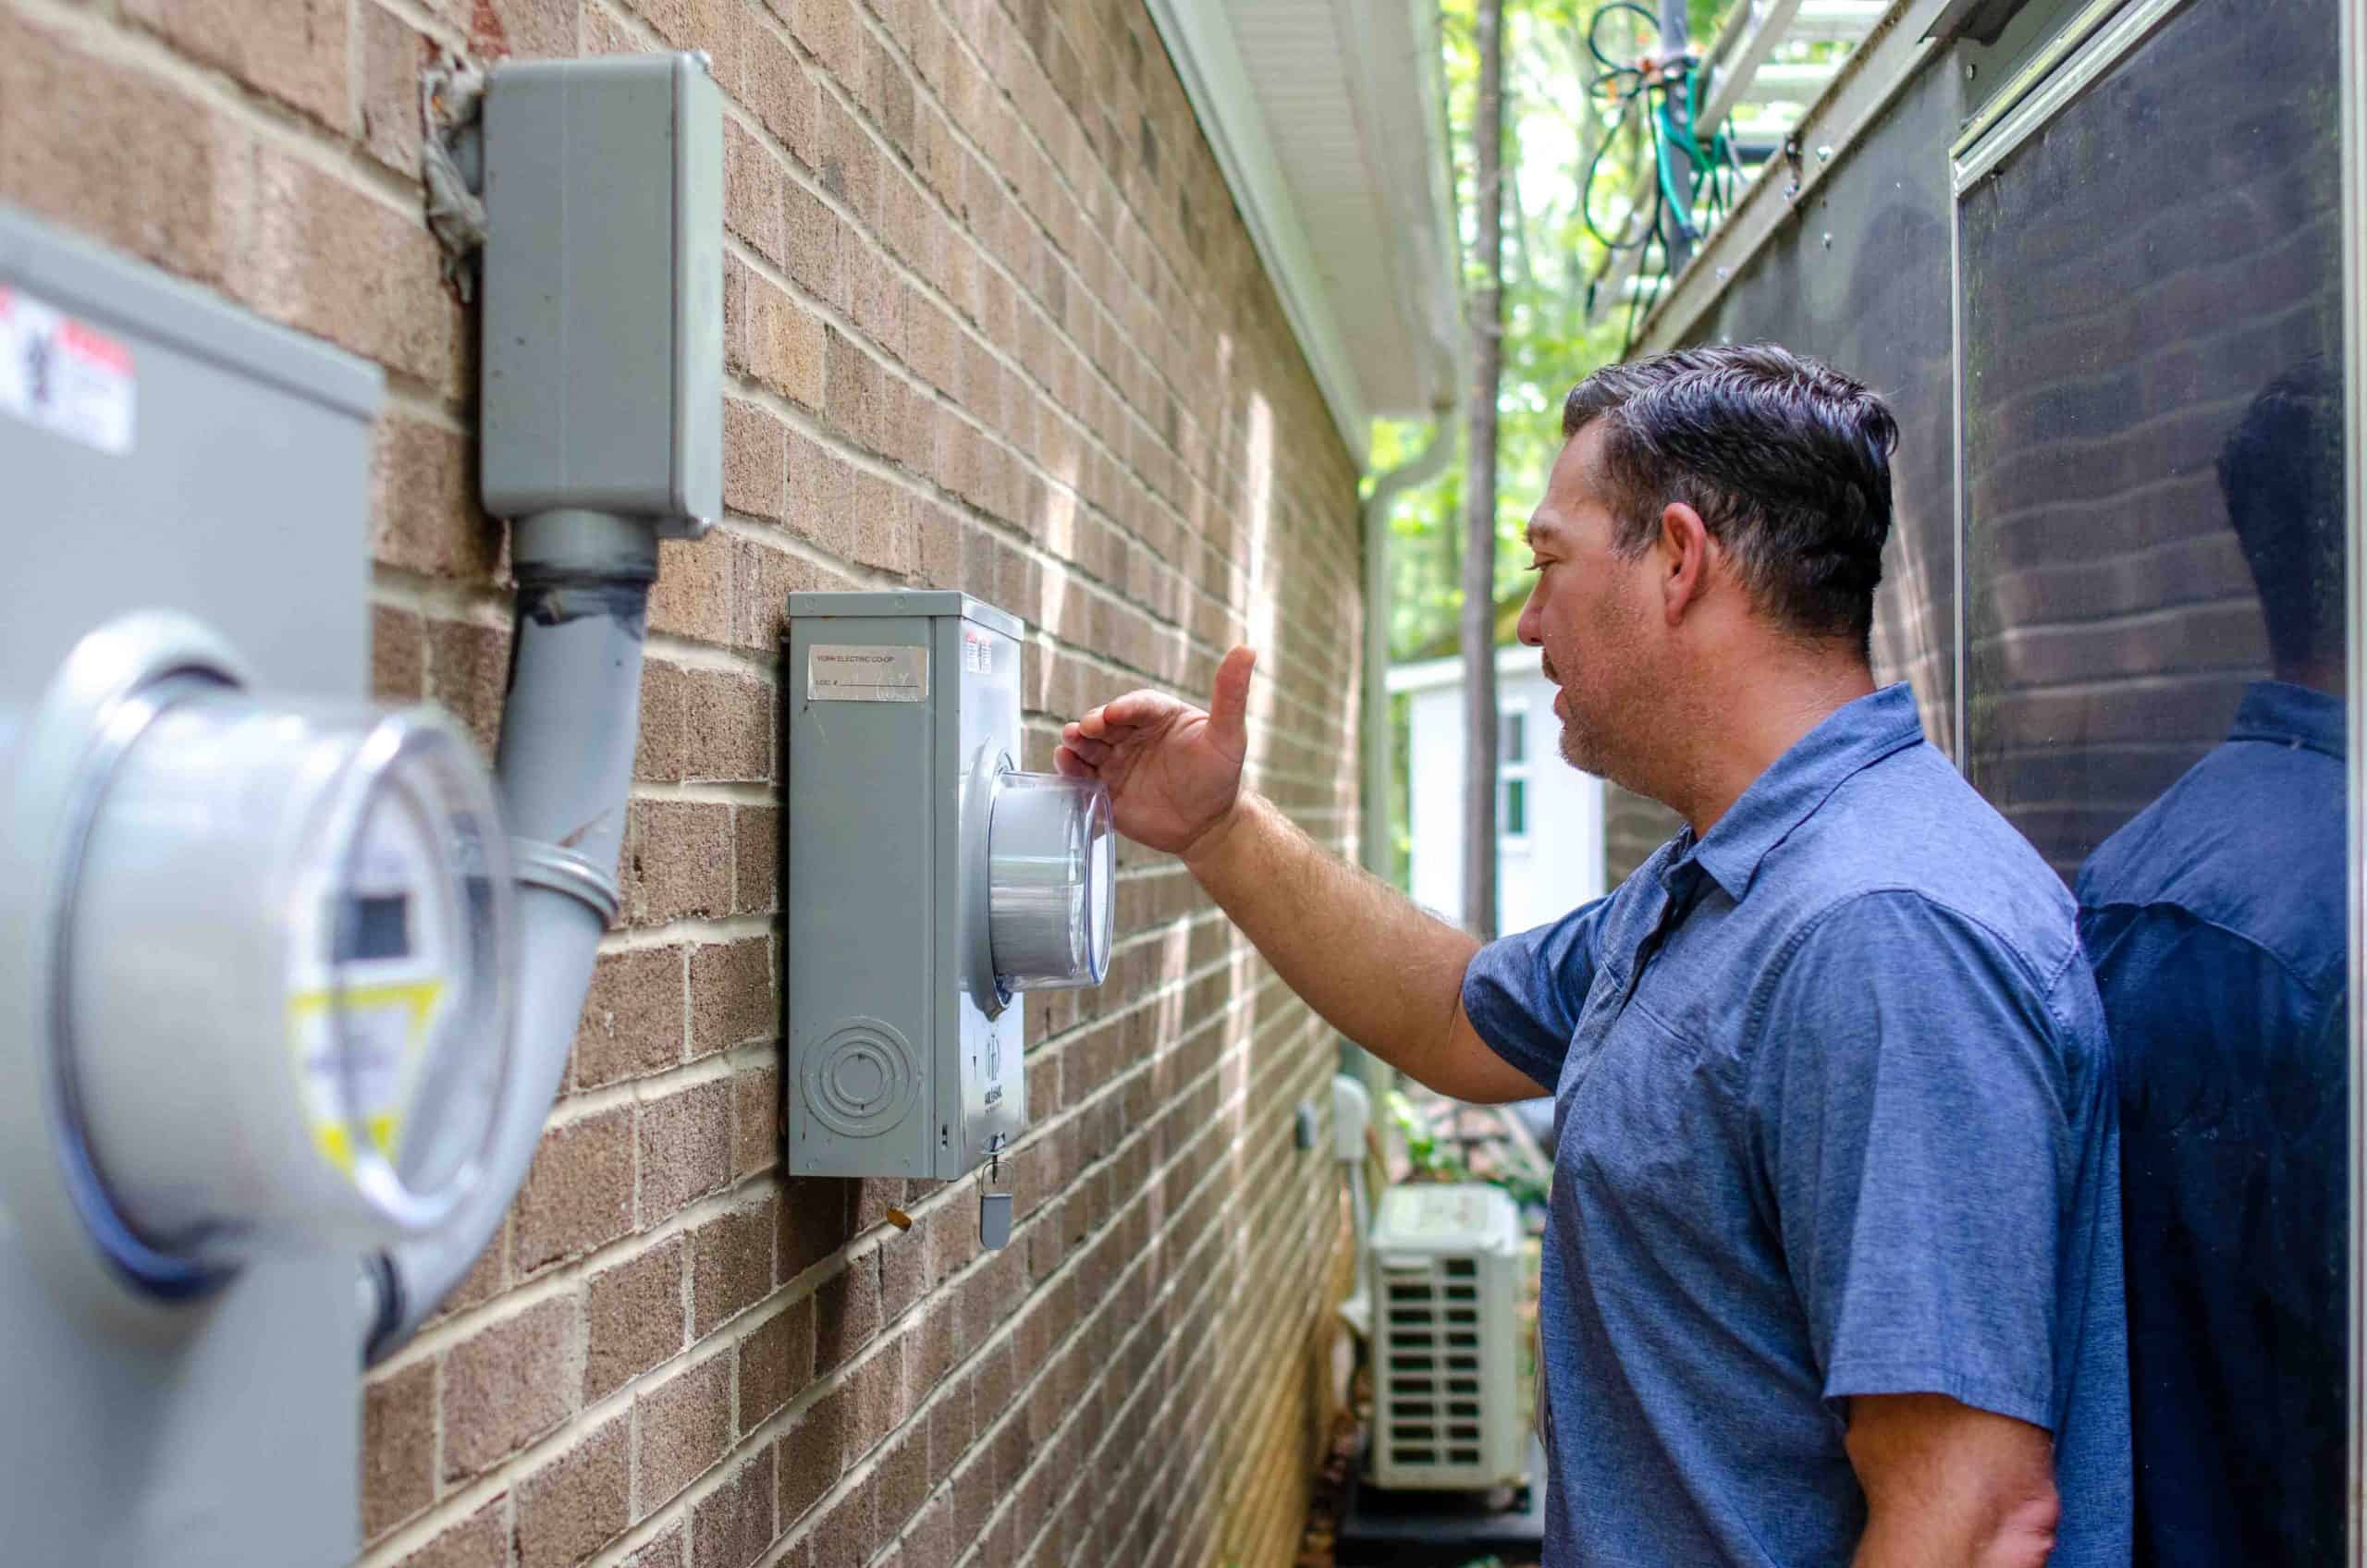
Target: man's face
{"x":1591,"y":612}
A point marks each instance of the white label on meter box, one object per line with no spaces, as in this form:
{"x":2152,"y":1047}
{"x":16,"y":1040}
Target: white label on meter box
{"x":977,"y":652}
{"x":840,"y":672}
{"x":64,"y":375}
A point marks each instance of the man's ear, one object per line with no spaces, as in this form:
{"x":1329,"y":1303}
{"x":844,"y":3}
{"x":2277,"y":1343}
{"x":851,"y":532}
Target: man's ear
{"x":1683,"y":554}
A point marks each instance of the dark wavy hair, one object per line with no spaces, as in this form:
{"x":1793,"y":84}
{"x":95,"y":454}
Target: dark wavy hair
{"x":2281,"y":473}
{"x":1786,"y":460}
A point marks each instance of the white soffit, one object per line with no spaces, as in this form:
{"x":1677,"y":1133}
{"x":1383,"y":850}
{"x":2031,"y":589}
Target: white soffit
{"x":1325,"y":117}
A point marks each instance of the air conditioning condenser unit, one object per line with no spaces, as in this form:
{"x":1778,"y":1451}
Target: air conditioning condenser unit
{"x":1446,"y":1267}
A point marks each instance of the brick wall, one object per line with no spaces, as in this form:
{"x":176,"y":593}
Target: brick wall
{"x":992,"y":323}
{"x":2134,"y":278}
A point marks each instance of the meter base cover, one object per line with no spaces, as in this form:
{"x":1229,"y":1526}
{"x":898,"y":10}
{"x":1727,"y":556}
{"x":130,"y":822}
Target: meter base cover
{"x":904,"y":1057}
{"x":229,"y":482}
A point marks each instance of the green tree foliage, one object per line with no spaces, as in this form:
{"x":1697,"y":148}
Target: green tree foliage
{"x":1550,"y":130}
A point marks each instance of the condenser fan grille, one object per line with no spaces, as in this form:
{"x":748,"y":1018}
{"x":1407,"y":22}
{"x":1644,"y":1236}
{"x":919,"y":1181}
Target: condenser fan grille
{"x":1431,"y":1376}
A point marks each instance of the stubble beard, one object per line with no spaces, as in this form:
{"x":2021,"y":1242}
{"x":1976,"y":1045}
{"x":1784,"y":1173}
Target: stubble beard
{"x":1588,"y":744}
{"x":1583,"y":747}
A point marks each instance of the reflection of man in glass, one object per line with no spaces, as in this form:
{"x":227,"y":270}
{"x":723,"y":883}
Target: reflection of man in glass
{"x":2215,"y":923}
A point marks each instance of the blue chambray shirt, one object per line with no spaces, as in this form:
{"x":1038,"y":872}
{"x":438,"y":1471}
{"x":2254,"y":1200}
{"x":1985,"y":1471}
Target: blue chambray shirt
{"x":1834,"y":1116}
{"x":2215,"y":922}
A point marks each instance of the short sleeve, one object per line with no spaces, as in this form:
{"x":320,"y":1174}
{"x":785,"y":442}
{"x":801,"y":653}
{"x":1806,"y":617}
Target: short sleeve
{"x":1522,"y":993}
{"x":1910,"y":1112}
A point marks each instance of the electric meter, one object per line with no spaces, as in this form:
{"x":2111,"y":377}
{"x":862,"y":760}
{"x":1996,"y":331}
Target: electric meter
{"x":1047,"y":873}
{"x":280,"y":974}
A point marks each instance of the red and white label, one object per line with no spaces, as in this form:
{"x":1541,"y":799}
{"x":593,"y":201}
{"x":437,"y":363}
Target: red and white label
{"x":65,"y":375}
{"x":977,"y":652}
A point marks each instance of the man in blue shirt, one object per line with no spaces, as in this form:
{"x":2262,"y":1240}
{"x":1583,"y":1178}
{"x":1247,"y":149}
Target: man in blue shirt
{"x":2215,"y":922}
{"x":1833,"y":1266}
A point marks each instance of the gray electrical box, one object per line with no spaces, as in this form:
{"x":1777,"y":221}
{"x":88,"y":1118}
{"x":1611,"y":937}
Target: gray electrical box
{"x":163,"y":452}
{"x":929,"y":883}
{"x":606,"y":180}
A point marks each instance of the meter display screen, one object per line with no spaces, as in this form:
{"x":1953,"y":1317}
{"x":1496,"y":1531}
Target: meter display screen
{"x":374,"y":926}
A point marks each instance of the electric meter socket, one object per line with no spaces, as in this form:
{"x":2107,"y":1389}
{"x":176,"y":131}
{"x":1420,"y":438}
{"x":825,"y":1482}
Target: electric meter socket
{"x":929,"y":883}
{"x":279,"y":959}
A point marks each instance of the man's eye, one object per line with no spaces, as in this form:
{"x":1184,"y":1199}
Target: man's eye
{"x":1534,"y":564}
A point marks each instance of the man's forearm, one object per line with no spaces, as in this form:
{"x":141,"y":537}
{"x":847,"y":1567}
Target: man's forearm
{"x":2019,"y":1538}
{"x":1380,"y":969}
{"x":1948,"y":1485}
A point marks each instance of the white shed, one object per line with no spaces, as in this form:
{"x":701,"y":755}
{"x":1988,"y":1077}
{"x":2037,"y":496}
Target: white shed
{"x":1549,"y":815}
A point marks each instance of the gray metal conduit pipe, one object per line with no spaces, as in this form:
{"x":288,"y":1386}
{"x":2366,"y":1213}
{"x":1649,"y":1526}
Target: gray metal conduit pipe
{"x":1373,"y":692}
{"x":1423,"y":467}
{"x":563,"y":769}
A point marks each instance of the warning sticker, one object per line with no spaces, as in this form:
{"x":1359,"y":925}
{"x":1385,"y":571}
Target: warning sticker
{"x":840,"y":672}
{"x":359,"y":1047}
{"x":977,"y":652}
{"x":64,"y":375}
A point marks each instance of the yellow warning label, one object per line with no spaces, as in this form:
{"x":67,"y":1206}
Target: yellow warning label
{"x":362,"y":1041}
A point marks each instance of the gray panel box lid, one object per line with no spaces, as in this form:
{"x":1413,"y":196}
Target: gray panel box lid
{"x":860,"y":606}
{"x":602,"y":375}
{"x":83,"y":280}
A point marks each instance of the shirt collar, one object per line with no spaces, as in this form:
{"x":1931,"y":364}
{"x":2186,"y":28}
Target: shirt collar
{"x":1852,"y":737}
{"x":2282,"y":714}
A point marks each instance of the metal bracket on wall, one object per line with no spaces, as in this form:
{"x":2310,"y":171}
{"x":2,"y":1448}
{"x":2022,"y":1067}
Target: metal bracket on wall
{"x":451,"y":163}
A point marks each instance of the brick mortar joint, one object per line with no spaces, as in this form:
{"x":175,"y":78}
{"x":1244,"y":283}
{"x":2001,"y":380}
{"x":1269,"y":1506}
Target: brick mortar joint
{"x":758,"y":792}
{"x":790,"y":167}
{"x":688,"y":653}
{"x":484,"y":606}
{"x":1053,"y":161}
{"x":693,"y":933}
{"x":563,"y":1280}
{"x":805,"y":423}
{"x":1010,"y":191}
{"x":585,"y":1105}
{"x":831,"y":1384}
{"x":121,"y":40}
{"x":1171,"y":1387}
{"x":1070,"y":1263}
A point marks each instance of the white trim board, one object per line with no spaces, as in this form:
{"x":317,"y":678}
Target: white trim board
{"x":1425,"y":674}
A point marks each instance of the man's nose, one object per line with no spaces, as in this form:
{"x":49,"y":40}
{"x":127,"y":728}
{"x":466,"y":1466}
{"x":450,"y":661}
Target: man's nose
{"x":1531,"y":630}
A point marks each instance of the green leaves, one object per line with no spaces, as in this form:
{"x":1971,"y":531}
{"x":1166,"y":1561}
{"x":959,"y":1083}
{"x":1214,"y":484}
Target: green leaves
{"x":1552,"y":128}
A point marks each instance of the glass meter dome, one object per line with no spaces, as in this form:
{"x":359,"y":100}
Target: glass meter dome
{"x":281,"y":973}
{"x":1043,"y":856}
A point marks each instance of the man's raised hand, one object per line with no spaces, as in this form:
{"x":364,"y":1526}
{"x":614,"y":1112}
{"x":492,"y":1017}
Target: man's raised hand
{"x":1173,"y":770}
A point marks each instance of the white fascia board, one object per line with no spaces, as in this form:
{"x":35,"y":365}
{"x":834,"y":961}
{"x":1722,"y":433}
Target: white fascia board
{"x":1448,"y":309}
{"x":1199,"y":40}
{"x":1418,"y":187}
{"x":1425,"y":674}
